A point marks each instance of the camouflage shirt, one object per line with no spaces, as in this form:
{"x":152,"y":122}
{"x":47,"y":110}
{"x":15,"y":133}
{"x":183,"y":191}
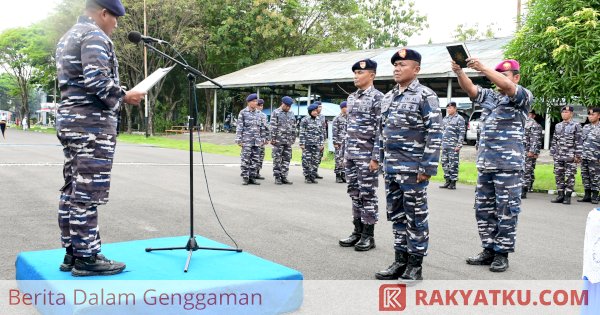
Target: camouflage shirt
{"x":567,"y":141}
{"x":454,"y":131}
{"x":339,"y":128}
{"x":88,"y":79}
{"x":266,"y":136}
{"x":591,"y":142}
{"x":533,"y":136}
{"x":502,"y":128}
{"x":283,"y":127}
{"x":364,"y":111}
{"x":250,"y":129}
{"x":311,"y":131}
{"x":411,"y":130}
{"x":323,"y":121}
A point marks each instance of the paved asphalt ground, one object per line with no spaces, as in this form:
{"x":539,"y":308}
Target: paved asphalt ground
{"x":297,"y":226}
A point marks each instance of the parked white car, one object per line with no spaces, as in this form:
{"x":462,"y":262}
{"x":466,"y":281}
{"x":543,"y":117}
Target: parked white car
{"x":472,"y":126}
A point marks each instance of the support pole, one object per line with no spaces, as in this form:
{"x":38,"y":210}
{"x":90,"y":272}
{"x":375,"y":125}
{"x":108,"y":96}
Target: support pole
{"x":215,"y":112}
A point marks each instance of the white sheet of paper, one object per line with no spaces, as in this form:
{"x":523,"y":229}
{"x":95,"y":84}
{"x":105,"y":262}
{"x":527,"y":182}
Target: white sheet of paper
{"x":152,"y":79}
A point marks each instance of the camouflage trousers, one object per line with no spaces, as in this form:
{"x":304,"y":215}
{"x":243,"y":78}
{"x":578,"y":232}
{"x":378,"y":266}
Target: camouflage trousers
{"x":406,"y":205}
{"x":497,"y":206}
{"x":250,"y":160}
{"x":529,"y":172}
{"x":86,"y":171}
{"x":261,"y":158}
{"x":339,"y":159}
{"x":450,"y":162}
{"x":282,"y":155}
{"x":362,"y":189}
{"x":590,"y":174}
{"x":310,"y":160}
{"x":564,"y":174}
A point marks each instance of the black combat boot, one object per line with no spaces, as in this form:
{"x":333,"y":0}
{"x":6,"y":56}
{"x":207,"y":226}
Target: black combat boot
{"x":587,"y":197}
{"x":338,"y":178}
{"x":258,"y":176}
{"x":285,"y":181}
{"x":413,"y":271}
{"x":524,"y":193}
{"x":245,"y":181}
{"x":396,"y":269}
{"x":96,"y":265}
{"x":500,"y":263}
{"x":446,"y":184}
{"x":484,"y":258}
{"x":355,"y":236}
{"x":567,"y":200}
{"x":253,"y":181}
{"x":595,"y":198}
{"x":344,"y":177}
{"x":317,"y":176}
{"x":68,"y":260}
{"x":310,"y":180}
{"x":452,"y":184}
{"x":278,"y":181}
{"x":560,"y":198}
{"x":367,"y":240}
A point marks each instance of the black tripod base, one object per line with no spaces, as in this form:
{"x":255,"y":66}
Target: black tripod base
{"x":191,"y":247}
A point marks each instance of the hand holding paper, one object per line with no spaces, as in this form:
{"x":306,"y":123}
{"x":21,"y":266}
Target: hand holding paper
{"x":152,"y":79}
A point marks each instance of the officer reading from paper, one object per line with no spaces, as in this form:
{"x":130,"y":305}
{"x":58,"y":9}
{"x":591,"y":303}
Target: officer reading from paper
{"x":91,"y":97}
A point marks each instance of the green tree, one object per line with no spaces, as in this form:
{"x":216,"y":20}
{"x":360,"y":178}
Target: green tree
{"x":391,"y":22}
{"x":464,"y":32}
{"x":559,"y":51}
{"x":24,"y":55}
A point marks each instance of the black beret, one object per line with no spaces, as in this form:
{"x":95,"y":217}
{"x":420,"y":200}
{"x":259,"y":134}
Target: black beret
{"x":406,"y":54}
{"x":114,"y":6}
{"x":365,"y":64}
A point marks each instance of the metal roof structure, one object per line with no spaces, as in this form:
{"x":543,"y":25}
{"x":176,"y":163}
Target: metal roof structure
{"x":335,"y":67}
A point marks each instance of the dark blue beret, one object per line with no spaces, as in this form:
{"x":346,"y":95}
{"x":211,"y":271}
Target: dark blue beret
{"x":365,"y":64}
{"x":251,"y":97}
{"x":114,"y":6}
{"x":343,"y":104}
{"x":261,"y":101}
{"x":287,"y":100}
{"x":567,"y":107}
{"x":406,"y":54}
{"x":312,"y":107}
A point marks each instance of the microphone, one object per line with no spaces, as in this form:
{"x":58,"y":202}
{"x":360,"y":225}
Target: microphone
{"x":136,"y":37}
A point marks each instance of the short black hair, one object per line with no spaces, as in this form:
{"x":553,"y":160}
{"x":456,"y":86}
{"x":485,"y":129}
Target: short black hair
{"x":453,"y":104}
{"x":594,"y":110}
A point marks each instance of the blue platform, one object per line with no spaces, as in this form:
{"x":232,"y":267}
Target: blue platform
{"x":220,"y":272}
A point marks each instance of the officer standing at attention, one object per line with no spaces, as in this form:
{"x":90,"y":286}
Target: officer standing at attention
{"x":339,"y":142}
{"x":250,"y":135}
{"x":323,"y":121}
{"x":500,"y":158}
{"x":411,"y":134}
{"x":590,"y":163}
{"x":566,"y":149}
{"x":362,"y":155}
{"x":311,"y":143}
{"x":533,"y":143}
{"x":91,"y":97}
{"x":266,"y":135}
{"x":283,"y":136}
{"x":452,"y":140}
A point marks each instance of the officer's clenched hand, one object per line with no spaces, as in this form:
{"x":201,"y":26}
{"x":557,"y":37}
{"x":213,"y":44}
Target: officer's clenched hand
{"x":373,"y":165}
{"x":423,"y":177}
{"x":133,"y":97}
{"x":455,"y":67}
{"x":301,"y":147}
{"x":475,"y":64}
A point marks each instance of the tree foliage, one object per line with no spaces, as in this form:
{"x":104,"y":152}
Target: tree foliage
{"x":464,"y":32}
{"x":559,"y":51}
{"x":391,"y":22}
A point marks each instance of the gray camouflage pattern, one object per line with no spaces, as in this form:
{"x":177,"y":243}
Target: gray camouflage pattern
{"x":311,"y":137}
{"x":453,"y":135}
{"x":590,"y":163}
{"x":339,"y":126}
{"x":251,"y":133}
{"x":567,"y":144}
{"x":283,"y":136}
{"x":532,"y":140}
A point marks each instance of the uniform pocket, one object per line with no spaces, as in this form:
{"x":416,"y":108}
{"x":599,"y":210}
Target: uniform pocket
{"x":92,"y":180}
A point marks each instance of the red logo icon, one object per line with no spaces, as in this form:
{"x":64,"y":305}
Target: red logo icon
{"x":392,"y":297}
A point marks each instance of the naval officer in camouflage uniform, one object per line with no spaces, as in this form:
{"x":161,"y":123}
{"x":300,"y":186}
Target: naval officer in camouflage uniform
{"x":339,"y":142}
{"x":283,"y":136}
{"x":566,"y":150}
{"x":411,"y":135}
{"x":311,"y":143}
{"x":250,"y":135}
{"x":91,"y":97}
{"x":499,"y":159}
{"x":533,"y":144}
{"x":323,"y":121}
{"x":261,"y":149}
{"x":362,"y":155}
{"x":452,"y":140}
{"x":590,"y":163}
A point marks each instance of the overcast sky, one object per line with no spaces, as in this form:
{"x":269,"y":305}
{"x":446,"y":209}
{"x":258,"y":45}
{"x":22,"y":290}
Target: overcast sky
{"x":443,"y":16}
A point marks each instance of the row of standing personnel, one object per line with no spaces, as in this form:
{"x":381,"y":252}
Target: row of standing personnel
{"x":402,"y":130}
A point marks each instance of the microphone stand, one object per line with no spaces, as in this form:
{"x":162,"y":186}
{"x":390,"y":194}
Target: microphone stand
{"x":191,"y":245}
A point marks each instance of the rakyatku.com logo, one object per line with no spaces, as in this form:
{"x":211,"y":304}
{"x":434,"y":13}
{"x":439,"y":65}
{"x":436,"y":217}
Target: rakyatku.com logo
{"x":392,"y":297}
